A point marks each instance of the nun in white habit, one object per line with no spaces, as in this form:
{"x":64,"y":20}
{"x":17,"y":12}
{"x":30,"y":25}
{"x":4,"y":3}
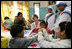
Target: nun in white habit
{"x":50,"y":17}
{"x":65,"y":14}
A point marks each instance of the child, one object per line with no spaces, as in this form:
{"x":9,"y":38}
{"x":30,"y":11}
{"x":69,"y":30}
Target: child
{"x":18,"y":40}
{"x":43,"y":30}
{"x":43,"y":24}
{"x":8,"y":23}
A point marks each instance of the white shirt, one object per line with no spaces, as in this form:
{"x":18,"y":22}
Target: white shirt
{"x":55,"y":43}
{"x":33,"y":25}
{"x":66,"y":43}
{"x":43,"y":35}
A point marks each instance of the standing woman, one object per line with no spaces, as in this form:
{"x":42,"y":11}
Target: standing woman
{"x":36,"y":23}
{"x":50,"y":18}
{"x":65,"y":8}
{"x":19,"y":19}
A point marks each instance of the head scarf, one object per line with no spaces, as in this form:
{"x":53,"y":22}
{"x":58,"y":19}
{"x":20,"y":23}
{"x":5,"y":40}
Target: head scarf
{"x":61,"y":3}
{"x":51,"y":8}
{"x":65,"y":3}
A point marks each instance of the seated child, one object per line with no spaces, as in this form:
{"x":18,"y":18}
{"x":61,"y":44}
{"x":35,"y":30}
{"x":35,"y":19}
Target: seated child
{"x":43,"y":24}
{"x":8,"y":23}
{"x":43,"y":30}
{"x":18,"y":40}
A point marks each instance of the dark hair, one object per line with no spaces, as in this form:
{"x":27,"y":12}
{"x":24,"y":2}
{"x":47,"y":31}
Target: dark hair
{"x":15,"y":29}
{"x":6,"y":18}
{"x":35,"y":16}
{"x":49,"y":9}
{"x":43,"y":22}
{"x":19,"y":13}
{"x":67,"y":27}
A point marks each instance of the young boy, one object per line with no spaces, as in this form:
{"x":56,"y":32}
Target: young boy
{"x":18,"y":40}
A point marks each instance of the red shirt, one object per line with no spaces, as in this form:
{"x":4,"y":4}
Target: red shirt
{"x":47,"y":29}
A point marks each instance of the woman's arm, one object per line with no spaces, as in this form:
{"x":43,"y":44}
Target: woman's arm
{"x":56,"y":44}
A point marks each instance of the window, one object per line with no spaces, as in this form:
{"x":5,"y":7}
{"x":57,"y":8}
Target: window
{"x":15,"y":7}
{"x":36,"y":8}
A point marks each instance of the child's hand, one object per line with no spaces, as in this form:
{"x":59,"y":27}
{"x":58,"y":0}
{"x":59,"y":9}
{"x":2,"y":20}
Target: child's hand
{"x":28,"y":24}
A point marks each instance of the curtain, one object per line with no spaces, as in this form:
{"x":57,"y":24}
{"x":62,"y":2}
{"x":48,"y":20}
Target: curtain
{"x":23,"y":7}
{"x":7,"y":9}
{"x":11,"y":8}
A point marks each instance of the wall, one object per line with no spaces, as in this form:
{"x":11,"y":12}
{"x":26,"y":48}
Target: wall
{"x":43,"y":8}
{"x":42,"y":3}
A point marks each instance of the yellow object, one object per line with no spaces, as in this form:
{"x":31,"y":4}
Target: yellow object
{"x":4,"y":42}
{"x":11,"y":8}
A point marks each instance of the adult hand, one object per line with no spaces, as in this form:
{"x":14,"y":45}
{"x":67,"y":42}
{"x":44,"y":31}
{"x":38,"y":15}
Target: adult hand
{"x":28,"y":24}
